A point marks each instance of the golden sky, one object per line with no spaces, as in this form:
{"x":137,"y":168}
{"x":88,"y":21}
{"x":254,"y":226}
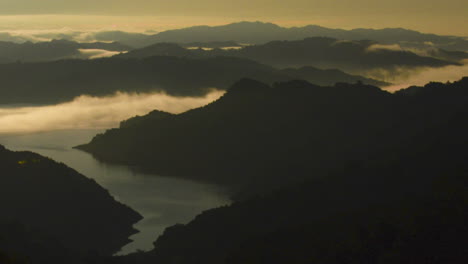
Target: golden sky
{"x":434,"y":16}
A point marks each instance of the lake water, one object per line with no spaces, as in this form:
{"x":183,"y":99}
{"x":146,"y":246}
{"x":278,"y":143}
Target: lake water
{"x":162,"y":201}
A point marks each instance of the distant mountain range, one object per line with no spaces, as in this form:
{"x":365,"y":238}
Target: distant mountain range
{"x":53,"y":50}
{"x":261,"y":33}
{"x":354,"y":51}
{"x":7,"y":37}
{"x":353,"y":56}
{"x":59,"y":81}
{"x":50,"y":212}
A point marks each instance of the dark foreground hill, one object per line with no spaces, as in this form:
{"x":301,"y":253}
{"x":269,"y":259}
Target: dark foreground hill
{"x":408,"y":203}
{"x":50,"y":212}
{"x":59,"y":81}
{"x":257,"y":135}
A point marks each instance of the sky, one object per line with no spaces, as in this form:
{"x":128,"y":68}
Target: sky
{"x":433,"y":16}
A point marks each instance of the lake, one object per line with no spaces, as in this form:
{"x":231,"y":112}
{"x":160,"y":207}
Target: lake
{"x":162,"y":201}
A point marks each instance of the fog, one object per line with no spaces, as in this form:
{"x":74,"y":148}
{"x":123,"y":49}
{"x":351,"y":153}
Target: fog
{"x":87,"y":112}
{"x":422,"y":76}
{"x":97,"y":53}
{"x":377,"y":47}
{"x":45,"y":35}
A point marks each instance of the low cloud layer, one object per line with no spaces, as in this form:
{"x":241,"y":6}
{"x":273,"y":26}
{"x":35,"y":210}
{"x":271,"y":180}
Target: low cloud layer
{"x":423,"y":76}
{"x":86,"y":112}
{"x":44,"y":35}
{"x":97,"y":53}
{"x":378,"y":47}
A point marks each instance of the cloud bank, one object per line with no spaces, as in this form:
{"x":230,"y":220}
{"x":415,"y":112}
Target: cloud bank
{"x":86,"y":112}
{"x":378,"y":47}
{"x":422,"y":76}
{"x":97,"y":53}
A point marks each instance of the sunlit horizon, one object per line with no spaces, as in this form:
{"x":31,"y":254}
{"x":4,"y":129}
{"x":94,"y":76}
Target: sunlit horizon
{"x":54,"y":23}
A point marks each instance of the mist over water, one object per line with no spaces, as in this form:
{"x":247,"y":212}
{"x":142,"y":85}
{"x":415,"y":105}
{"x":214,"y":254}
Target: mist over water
{"x":87,"y":112}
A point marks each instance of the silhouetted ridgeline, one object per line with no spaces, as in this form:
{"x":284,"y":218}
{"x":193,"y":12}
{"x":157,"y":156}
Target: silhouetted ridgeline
{"x":59,"y":81}
{"x":408,"y":203}
{"x":213,"y":44}
{"x":456,"y":56}
{"x":250,"y":131}
{"x":50,"y":212}
{"x":49,"y":51}
{"x":260,"y":33}
{"x":322,"y":77}
{"x":333,"y":53}
{"x":361,"y":216}
{"x":352,"y":56}
{"x":154,"y":116}
{"x":262,"y":136}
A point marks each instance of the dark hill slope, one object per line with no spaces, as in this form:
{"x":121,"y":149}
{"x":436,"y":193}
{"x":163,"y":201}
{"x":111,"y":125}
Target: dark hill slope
{"x":50,"y":51}
{"x":250,"y":131}
{"x":63,"y":80}
{"x":51,"y":199}
{"x":257,"y":135}
{"x":59,"y":81}
{"x":407,"y":204}
{"x":351,"y":56}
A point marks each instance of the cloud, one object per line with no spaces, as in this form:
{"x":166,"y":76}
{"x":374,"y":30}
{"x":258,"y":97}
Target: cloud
{"x":6,"y":36}
{"x":429,"y":43}
{"x":46,"y":35}
{"x":41,"y":35}
{"x":97,"y":53}
{"x":422,"y":76}
{"x":86,"y":112}
{"x":378,"y":47}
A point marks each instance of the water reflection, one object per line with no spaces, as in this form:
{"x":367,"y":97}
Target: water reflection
{"x":162,"y":201}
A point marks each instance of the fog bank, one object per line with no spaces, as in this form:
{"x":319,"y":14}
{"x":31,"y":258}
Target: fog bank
{"x":87,"y":112}
{"x":98,"y":53}
{"x":423,"y":76}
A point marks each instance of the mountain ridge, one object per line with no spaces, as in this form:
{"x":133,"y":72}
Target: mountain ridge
{"x":265,"y":32}
{"x":405,"y":203}
{"x":178,"y":76}
{"x":311,"y":123}
{"x":52,"y":50}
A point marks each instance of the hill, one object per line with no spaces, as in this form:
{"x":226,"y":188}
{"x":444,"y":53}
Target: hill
{"x":50,"y":211}
{"x":356,"y":57}
{"x":255,"y":134}
{"x":352,"y":56}
{"x":405,"y":202}
{"x":53,"y":50}
{"x":59,"y":81}
{"x":261,"y":33}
